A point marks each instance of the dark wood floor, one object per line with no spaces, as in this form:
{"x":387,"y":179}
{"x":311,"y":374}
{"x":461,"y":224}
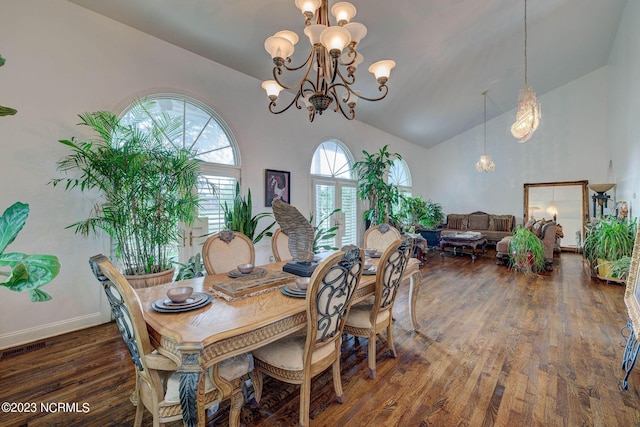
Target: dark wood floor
{"x":496,"y":348}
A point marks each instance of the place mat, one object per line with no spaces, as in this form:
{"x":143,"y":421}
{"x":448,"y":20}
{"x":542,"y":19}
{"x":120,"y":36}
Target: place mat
{"x":200,"y":300}
{"x":250,"y":285}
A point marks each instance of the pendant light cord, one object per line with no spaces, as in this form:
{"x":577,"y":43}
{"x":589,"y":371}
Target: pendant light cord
{"x":485,"y":121}
{"x":525,"y":42}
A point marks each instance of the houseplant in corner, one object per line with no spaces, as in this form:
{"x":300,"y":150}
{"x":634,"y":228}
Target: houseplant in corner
{"x":239,"y":217}
{"x":372,"y":186}
{"x":145,"y":188}
{"x":608,"y":241}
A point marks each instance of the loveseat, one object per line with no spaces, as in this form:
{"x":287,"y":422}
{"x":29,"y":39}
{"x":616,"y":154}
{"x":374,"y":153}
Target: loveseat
{"x":495,"y":227}
{"x":545,"y":230}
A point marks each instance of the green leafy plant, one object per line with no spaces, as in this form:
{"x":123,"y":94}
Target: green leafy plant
{"x":27,"y":272}
{"x":193,"y":268}
{"x":146,"y":186}
{"x":323,"y":233}
{"x":526,"y":251}
{"x":373,"y":187}
{"x":239,"y":217}
{"x":608,"y":241}
{"x":618,"y":269}
{"x":420,"y":213}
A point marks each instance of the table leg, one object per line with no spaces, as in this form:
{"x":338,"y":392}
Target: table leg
{"x":414,"y":284}
{"x":191,"y":391}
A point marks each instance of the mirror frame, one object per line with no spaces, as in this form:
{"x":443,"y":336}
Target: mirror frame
{"x":632,"y":291}
{"x":585,"y":197}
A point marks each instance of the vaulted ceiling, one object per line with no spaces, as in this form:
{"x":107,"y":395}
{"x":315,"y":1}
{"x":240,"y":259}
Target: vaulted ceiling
{"x":447,"y":51}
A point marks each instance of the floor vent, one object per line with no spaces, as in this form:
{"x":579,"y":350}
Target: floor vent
{"x":22,"y":350}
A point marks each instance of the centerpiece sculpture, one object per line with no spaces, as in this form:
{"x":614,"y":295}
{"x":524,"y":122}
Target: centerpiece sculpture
{"x":300,"y":233}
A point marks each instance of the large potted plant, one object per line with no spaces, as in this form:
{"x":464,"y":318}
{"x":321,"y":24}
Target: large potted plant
{"x":608,"y":241}
{"x":239,"y":217}
{"x":526,"y":251}
{"x":372,"y":186}
{"x":145,"y":187}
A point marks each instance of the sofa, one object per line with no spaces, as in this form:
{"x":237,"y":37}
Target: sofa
{"x":544,"y":229}
{"x":495,"y":227}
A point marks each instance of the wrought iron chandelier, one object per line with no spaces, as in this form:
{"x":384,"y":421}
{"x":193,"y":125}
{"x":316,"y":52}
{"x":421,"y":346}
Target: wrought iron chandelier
{"x":528,"y":115}
{"x":331,"y":65}
{"x":485,"y":164}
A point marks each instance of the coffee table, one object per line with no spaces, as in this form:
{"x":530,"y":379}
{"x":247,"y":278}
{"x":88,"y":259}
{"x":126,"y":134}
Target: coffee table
{"x":462,"y":240}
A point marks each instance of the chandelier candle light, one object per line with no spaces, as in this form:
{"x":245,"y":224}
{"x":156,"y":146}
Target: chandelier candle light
{"x":485,"y":164}
{"x":528,"y":115}
{"x":331,"y":64}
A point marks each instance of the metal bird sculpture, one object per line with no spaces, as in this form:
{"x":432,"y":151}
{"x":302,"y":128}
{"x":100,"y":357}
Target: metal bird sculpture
{"x":297,"y":228}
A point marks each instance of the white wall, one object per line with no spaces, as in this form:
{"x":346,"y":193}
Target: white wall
{"x":624,"y":108}
{"x":63,"y":60}
{"x":569,"y":145}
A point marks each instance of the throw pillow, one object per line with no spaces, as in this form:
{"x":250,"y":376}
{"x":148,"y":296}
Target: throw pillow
{"x":478,"y":222}
{"x":456,"y":221}
{"x":529,"y":224}
{"x":501,"y":222}
{"x":537,"y":228}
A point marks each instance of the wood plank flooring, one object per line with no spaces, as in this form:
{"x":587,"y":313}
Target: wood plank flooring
{"x":496,"y":348}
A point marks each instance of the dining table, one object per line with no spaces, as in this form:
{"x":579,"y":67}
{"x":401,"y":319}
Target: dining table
{"x":200,"y":338}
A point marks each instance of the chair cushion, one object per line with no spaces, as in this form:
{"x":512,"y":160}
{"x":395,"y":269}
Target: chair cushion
{"x":286,"y":353}
{"x":230,"y":369}
{"x":360,"y":316}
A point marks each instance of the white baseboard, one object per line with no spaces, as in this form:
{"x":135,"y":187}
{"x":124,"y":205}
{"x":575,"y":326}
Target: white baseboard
{"x":25,"y":336}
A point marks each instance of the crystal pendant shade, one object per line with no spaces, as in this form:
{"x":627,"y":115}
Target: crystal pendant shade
{"x":485,"y":164}
{"x":528,"y":116}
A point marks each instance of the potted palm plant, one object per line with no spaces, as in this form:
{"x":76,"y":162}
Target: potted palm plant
{"x":372,"y":186}
{"x":146,"y":187}
{"x":607,"y":242}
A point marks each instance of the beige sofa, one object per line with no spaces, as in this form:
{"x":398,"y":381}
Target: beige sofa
{"x":495,"y":227}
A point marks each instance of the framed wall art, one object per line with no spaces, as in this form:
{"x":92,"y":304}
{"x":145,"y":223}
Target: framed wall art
{"x":277,"y":185}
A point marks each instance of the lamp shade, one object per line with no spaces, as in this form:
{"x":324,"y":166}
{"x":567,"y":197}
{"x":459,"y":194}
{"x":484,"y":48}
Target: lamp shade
{"x":309,"y":6}
{"x":335,"y":38}
{"x":343,"y":12}
{"x":313,"y":32}
{"x":272,"y":88}
{"x":528,"y":115}
{"x":382,"y":69}
{"x":289,"y":35}
{"x":357,"y":31}
{"x":279,"y":47}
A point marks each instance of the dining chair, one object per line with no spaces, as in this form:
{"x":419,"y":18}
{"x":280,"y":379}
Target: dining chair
{"x":224,"y":251}
{"x":298,"y":358}
{"x":370,"y":317}
{"x":157,"y":382}
{"x":380,"y":237}
{"x":280,"y":246}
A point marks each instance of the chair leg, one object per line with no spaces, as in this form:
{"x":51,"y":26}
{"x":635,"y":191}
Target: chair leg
{"x":237,"y":400}
{"x":305,"y":401}
{"x":372,"y":355}
{"x":256,"y":379}
{"x":337,"y":381}
{"x":414,"y":285}
{"x":390,"y":339}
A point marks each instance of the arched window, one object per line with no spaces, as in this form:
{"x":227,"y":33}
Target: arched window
{"x":400,"y":175}
{"x":211,"y":140}
{"x":334,"y":187}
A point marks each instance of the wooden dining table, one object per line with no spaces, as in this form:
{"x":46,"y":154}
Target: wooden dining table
{"x":201,"y":338}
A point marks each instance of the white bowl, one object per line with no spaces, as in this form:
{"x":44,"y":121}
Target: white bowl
{"x":370,"y":251}
{"x":302,"y":282}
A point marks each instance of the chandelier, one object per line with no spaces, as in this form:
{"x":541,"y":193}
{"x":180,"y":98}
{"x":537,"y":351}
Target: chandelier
{"x":329,"y":71}
{"x":485,"y":164}
{"x":528,"y":115}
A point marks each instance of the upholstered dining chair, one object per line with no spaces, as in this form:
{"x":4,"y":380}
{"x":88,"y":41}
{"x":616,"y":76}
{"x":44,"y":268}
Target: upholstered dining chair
{"x":280,"y":246}
{"x":297,"y":359}
{"x":157,"y":382}
{"x":224,"y":251}
{"x":381,"y":236}
{"x":370,"y":317}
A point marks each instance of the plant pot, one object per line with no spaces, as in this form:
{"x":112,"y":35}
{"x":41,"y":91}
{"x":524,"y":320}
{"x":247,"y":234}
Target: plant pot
{"x":432,"y":236}
{"x":604,"y":269}
{"x":141,"y":281}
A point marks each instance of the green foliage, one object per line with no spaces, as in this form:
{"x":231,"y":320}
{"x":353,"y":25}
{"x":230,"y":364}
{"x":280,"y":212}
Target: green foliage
{"x":27,"y":272}
{"x":146,"y":186}
{"x":526,"y":251}
{"x":610,"y":239}
{"x":240,"y":218}
{"x":322,"y":232}
{"x":618,"y":269}
{"x":372,"y":186}
{"x":193,"y":268}
{"x":420,"y":213}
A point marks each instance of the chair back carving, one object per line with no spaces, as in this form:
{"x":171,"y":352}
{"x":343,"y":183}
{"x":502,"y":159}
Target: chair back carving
{"x":223,"y":251}
{"x":330,"y":295}
{"x":280,"y":246}
{"x":380,"y":236}
{"x":390,"y":270}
